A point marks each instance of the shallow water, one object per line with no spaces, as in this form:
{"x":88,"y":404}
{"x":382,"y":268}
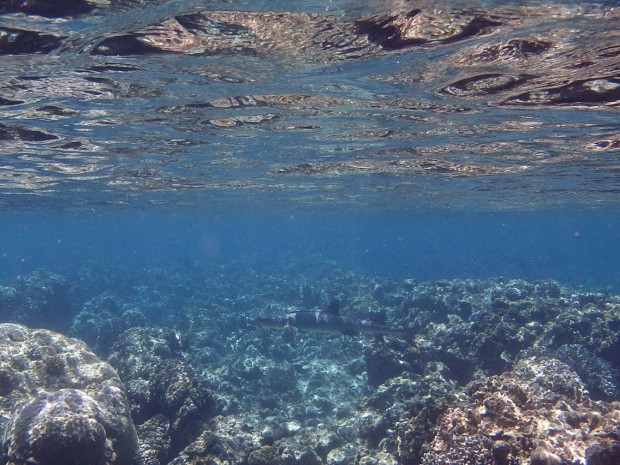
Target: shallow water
{"x":439,"y":140}
{"x":577,"y":248}
{"x":171,"y":169}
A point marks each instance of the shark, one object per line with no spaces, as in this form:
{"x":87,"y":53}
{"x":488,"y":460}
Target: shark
{"x":328,"y":321}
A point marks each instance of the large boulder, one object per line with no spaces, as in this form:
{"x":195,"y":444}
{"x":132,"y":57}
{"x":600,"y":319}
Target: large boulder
{"x":59,"y":403}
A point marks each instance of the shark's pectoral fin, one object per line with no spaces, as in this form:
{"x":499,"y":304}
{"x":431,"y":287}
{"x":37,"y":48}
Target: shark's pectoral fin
{"x":289,"y":331}
{"x":350,"y":332}
{"x":334,"y":307}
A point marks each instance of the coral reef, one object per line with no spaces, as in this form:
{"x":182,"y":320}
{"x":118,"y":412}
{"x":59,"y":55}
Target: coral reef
{"x":205,"y":384}
{"x":38,"y":300}
{"x":540,"y":413}
{"x":168,"y":401}
{"x":402,"y":414}
{"x":102,"y":319}
{"x":60,"y":404}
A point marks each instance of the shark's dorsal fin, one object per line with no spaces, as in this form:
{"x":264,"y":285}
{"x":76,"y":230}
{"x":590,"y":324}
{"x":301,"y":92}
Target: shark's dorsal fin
{"x":380,"y":318}
{"x":333,"y":307}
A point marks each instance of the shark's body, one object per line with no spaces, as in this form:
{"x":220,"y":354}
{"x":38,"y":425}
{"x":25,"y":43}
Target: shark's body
{"x":327,"y":321}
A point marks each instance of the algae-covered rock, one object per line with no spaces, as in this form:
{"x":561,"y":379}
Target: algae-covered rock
{"x":538,"y":413}
{"x":154,"y":440}
{"x":60,"y":404}
{"x":160,"y":382}
{"x":207,"y":449}
{"x":266,"y":455}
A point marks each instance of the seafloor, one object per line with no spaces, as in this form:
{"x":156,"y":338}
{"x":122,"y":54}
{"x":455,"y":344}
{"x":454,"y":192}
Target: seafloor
{"x":498,"y":372}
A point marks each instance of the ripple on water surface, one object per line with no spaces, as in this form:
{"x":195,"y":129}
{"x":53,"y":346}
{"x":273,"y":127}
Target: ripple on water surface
{"x":167,"y":102}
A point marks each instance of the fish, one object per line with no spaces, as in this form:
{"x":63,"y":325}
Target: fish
{"x":328,"y":321}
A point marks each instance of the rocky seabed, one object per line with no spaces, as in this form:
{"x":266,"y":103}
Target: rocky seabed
{"x":166,"y":366}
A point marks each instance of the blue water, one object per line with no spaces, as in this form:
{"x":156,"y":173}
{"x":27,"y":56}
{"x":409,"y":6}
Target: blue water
{"x":482,"y":141}
{"x":576,"y":248}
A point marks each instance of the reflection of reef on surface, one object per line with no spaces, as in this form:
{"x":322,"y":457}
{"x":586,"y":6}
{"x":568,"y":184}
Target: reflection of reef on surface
{"x":212,"y":104}
{"x":401,"y":167}
{"x":315,"y":37}
{"x":17,"y":41}
{"x":538,"y":72}
{"x":505,"y":359}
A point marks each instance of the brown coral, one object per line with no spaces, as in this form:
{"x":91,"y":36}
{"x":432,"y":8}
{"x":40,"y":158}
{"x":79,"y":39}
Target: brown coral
{"x":539,"y":414}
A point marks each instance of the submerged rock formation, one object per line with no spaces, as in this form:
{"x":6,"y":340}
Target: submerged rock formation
{"x":38,"y":300}
{"x":169,"y":402}
{"x":540,"y":413}
{"x":516,"y":372}
{"x":59,"y":403}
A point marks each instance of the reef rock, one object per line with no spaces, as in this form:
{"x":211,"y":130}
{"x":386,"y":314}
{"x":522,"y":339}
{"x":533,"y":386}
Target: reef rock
{"x":59,"y":403}
{"x":207,"y":449}
{"x":160,"y":383}
{"x":102,"y":319}
{"x":540,"y":413}
{"x":38,"y":300}
{"x":402,"y":413}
